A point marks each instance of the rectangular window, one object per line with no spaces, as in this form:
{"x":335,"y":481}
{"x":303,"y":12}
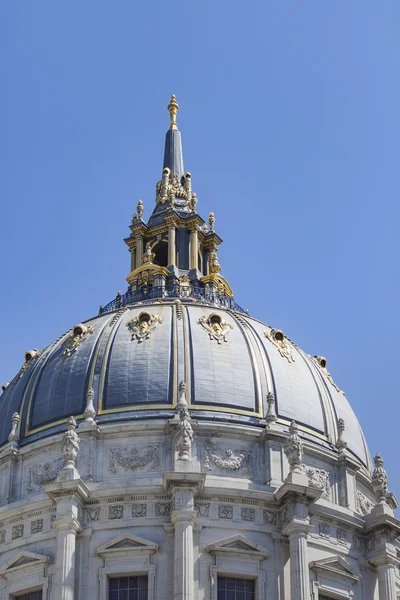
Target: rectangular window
{"x":128,"y":588}
{"x":38,"y":595}
{"x":232,"y":588}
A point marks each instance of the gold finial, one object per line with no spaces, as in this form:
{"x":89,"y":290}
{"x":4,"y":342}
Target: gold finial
{"x":173,"y":108}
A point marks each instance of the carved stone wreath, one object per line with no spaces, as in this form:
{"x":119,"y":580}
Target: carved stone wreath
{"x":228,"y":460}
{"x":217,"y":328}
{"x":143,"y":325}
{"x":132,"y":460}
{"x":43,"y":474}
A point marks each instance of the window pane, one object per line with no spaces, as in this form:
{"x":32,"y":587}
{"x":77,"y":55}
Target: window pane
{"x":233,"y":588}
{"x":128,"y":588}
{"x":38,"y":595}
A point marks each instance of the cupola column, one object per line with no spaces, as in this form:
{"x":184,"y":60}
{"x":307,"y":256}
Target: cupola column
{"x":193,"y":248}
{"x":133,"y":259}
{"x":139,"y":250}
{"x":171,"y":246}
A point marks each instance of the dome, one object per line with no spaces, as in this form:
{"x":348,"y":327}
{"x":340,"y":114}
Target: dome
{"x":195,"y":450}
{"x":133,"y":357}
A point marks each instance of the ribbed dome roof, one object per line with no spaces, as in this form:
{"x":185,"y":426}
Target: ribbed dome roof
{"x":133,"y":358}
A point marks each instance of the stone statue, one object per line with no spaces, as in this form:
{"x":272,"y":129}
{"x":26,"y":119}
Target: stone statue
{"x":294,"y":449}
{"x":184,"y":433}
{"x":148,"y":256}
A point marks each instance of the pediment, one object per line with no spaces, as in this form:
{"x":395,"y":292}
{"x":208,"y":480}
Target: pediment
{"x":24,"y":559}
{"x":336,"y":565}
{"x":127,"y":543}
{"x":238,"y":544}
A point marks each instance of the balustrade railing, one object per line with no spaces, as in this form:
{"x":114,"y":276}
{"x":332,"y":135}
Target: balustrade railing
{"x":172,"y":291}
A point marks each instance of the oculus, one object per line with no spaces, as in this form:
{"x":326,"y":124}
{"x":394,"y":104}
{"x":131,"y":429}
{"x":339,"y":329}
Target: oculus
{"x":76,"y":337}
{"x":216,"y":327}
{"x":280,"y":341}
{"x":143,"y":325}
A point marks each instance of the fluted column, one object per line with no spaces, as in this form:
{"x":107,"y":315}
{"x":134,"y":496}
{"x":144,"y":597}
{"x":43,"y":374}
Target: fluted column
{"x":65,"y":565}
{"x":171,"y":246}
{"x":183,"y":554}
{"x":193,"y":248}
{"x":139,"y":251}
{"x":387,"y":581}
{"x":299,"y":571}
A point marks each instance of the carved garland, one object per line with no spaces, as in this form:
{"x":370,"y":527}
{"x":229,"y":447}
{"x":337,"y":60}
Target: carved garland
{"x":42,"y":474}
{"x":129,"y":458}
{"x":227,"y":460}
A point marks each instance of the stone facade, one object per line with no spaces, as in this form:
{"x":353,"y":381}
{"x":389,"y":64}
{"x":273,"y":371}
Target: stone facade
{"x":183,"y":525}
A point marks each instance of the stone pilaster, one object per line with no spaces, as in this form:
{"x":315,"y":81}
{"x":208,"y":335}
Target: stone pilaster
{"x":171,"y":246}
{"x":382,"y":529}
{"x":68,"y":496}
{"x":295,"y":497}
{"x":183,"y":521}
{"x":299,"y":572}
{"x":184,"y":487}
{"x":139,"y":250}
{"x":133,"y":259}
{"x":387,"y":580}
{"x":193,"y":248}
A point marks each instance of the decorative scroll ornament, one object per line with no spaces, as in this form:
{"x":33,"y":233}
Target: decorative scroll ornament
{"x":148,"y":256}
{"x":321,"y":361}
{"x":216,"y":328}
{"x":280,"y":341}
{"x":319,"y":480}
{"x":76,"y":337}
{"x":227,"y":460}
{"x":131,"y":459}
{"x":43,"y":474}
{"x":294,"y":449}
{"x":143,"y":325}
{"x":184,"y":280}
{"x":380,"y":481}
{"x":70,"y":444}
{"x":363,"y":504}
{"x":184,"y":433}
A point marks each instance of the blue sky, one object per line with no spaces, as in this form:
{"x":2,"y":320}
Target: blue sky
{"x":290,"y":122}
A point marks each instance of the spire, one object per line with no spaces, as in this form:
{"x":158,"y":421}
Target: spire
{"x":173,"y":156}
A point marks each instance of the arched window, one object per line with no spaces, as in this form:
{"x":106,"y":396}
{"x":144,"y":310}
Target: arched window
{"x":161,"y":254}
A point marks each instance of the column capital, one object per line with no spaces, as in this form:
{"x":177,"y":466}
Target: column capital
{"x":67,"y":524}
{"x":297,"y":526}
{"x":176,"y":480}
{"x":61,"y":489}
{"x":179,"y":516}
